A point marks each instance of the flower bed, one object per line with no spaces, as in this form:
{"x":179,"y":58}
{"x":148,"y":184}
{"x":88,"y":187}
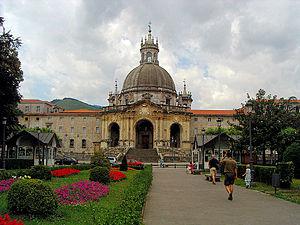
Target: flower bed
{"x":5,"y":184}
{"x":64,"y":172}
{"x":115,"y":175}
{"x":6,"y":220}
{"x":136,"y":165}
{"x":81,"y":192}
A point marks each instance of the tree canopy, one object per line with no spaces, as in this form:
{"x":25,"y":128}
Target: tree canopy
{"x":10,"y":77}
{"x":274,"y":123}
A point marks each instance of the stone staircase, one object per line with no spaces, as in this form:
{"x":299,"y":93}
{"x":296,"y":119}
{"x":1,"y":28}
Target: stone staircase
{"x":143,"y":155}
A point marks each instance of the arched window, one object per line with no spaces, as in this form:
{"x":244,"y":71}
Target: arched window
{"x":149,"y":57}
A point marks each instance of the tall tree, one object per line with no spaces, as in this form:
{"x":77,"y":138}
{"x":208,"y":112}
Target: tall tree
{"x":10,"y":77}
{"x":271,"y":118}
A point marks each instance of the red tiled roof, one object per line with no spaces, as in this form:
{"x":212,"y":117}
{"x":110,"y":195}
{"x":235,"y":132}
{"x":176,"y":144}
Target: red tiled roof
{"x":225,"y":112}
{"x":31,"y":101}
{"x":80,"y":111}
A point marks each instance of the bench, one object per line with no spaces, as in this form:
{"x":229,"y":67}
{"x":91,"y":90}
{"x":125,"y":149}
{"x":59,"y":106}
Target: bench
{"x":209,"y":178}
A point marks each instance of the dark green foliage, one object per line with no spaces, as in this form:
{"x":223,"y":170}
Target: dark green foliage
{"x":18,"y":163}
{"x":286,"y":172}
{"x":217,"y":130}
{"x":40,"y":172}
{"x":100,"y":174}
{"x":273,"y":124}
{"x":11,"y":76}
{"x":292,"y":153}
{"x":6,"y":174}
{"x":261,"y":173}
{"x":98,"y":159}
{"x":31,"y":196}
{"x":124,"y":165}
{"x":130,"y":209}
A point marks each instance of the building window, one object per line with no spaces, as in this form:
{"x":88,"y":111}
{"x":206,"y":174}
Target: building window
{"x":60,"y":117}
{"x":97,"y":130}
{"x":72,"y":129}
{"x":71,"y":143}
{"x":37,"y":118}
{"x":83,"y":143}
{"x":84,"y":130}
{"x":168,"y":101}
{"x":26,"y":108}
{"x":38,"y":109}
{"x":97,"y":121}
{"x":84,"y":119}
{"x":26,"y":118}
{"x":195,"y":119}
{"x":72,"y":119}
{"x":48,"y":126}
{"x":60,"y":128}
{"x":209,"y":119}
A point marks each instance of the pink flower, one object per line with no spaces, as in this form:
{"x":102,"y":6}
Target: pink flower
{"x":5,"y":184}
{"x":81,"y":192}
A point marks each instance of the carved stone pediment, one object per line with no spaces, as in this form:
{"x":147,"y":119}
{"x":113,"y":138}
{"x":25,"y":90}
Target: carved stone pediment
{"x":147,"y":96}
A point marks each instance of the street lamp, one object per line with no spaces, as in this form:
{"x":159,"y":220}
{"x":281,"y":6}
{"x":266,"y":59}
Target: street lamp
{"x":248,"y":109}
{"x":203,"y":157}
{"x":40,"y":162}
{"x":3,"y":142}
{"x":219,"y":121}
{"x":172,"y":146}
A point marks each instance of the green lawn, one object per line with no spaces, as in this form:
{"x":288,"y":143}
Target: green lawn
{"x":292,"y":195}
{"x":90,"y":213}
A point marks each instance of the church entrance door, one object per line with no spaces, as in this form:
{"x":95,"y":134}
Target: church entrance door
{"x":144,"y":134}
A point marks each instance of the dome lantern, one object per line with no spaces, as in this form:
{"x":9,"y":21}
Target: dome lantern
{"x":149,"y":49}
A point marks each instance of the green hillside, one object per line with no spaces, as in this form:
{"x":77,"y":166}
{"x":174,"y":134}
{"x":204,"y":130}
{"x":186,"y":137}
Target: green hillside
{"x":71,"y":104}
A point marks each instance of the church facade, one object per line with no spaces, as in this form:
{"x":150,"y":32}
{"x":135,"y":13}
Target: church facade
{"x":147,"y":114}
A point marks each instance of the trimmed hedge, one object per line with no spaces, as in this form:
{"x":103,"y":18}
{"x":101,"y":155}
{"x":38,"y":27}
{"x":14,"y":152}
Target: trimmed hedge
{"x":41,"y":172}
{"x":286,"y":172}
{"x":6,"y":174}
{"x":12,"y":164}
{"x":31,"y":197}
{"x":261,"y":173}
{"x":130,"y":209}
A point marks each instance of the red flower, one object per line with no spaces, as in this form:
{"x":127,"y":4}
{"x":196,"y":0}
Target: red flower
{"x":6,"y":220}
{"x":116,"y":175}
{"x":64,"y":172}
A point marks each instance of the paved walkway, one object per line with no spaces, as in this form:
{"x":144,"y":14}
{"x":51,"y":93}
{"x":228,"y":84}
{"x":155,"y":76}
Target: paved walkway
{"x":179,"y":198}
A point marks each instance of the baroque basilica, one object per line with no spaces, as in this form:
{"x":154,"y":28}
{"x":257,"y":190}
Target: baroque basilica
{"x":148,"y":119}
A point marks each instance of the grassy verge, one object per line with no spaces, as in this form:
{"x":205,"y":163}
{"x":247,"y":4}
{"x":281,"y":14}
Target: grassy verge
{"x":292,"y":195}
{"x":124,"y":202}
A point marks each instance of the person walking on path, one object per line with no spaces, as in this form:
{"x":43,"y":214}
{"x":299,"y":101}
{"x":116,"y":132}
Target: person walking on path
{"x":247,"y":175}
{"x":213,"y":167}
{"x":230,"y":171}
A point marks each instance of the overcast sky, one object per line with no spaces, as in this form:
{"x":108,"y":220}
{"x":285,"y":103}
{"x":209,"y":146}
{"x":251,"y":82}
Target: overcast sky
{"x":223,"y":49}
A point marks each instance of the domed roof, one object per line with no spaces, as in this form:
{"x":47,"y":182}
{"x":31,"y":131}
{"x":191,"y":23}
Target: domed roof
{"x":148,"y":76}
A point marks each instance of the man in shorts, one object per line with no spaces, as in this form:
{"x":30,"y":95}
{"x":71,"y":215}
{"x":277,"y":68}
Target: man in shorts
{"x":230,"y":171}
{"x":213,"y":167}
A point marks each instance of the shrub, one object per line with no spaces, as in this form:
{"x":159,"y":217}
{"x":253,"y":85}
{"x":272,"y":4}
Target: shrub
{"x":31,"y":196}
{"x":64,"y":172}
{"x":6,"y":220}
{"x":100,"y":174}
{"x":124,"y":165}
{"x":98,"y":159}
{"x":286,"y":173}
{"x":40,"y":172}
{"x":292,"y":153}
{"x":81,"y":192}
